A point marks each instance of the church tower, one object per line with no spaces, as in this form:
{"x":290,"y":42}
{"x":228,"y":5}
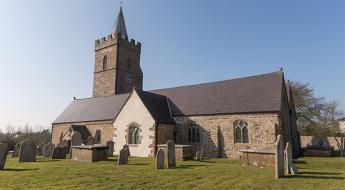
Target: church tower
{"x":117,"y":62}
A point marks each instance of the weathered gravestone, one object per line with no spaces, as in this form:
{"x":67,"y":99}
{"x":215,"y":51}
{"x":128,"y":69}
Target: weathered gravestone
{"x":197,"y":155}
{"x":123,"y":157}
{"x":279,"y":157}
{"x":16,"y":150}
{"x":90,"y":141}
{"x":202,"y":153}
{"x":76,"y":139}
{"x":127,"y":148}
{"x":3,"y":154}
{"x":160,"y":159}
{"x":171,"y":154}
{"x":60,"y":152}
{"x":27,"y":152}
{"x":48,"y":150}
{"x":289,"y":166}
{"x":98,"y":136}
{"x":39,"y":149}
{"x":110,"y":145}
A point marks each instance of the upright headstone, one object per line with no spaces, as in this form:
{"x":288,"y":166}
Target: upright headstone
{"x":202,"y":153}
{"x":125,"y":146}
{"x":60,"y":152}
{"x":98,"y":136}
{"x":90,"y":141}
{"x":27,"y":152}
{"x":160,"y":159}
{"x":16,"y":150}
{"x":3,"y":155}
{"x":279,"y":157}
{"x":110,"y":145}
{"x":39,"y":149}
{"x":76,"y":139}
{"x":197,"y":155}
{"x":171,"y":154}
{"x":288,"y":158}
{"x":48,"y":150}
{"x":123,"y":157}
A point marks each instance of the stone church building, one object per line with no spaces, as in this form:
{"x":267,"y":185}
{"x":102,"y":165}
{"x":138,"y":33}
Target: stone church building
{"x":223,"y":117}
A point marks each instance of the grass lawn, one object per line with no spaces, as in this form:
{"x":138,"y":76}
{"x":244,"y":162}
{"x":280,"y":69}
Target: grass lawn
{"x":140,"y":173}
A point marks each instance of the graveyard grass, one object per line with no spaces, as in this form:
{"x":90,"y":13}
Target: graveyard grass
{"x":140,"y":173}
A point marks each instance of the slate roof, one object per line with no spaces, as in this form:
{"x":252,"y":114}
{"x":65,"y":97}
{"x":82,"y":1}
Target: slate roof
{"x":157,"y":105}
{"x":92,"y":109}
{"x":261,"y":93}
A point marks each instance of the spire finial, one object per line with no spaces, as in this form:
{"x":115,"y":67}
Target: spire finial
{"x":119,"y":25}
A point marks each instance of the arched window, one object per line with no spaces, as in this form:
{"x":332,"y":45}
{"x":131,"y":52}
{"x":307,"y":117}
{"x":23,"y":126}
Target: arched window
{"x":129,"y":66}
{"x":194,"y":133}
{"x":105,"y":62}
{"x":241,"y":131}
{"x":133,"y":134}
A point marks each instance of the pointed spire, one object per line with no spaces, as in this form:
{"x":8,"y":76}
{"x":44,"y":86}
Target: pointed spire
{"x":119,"y":25}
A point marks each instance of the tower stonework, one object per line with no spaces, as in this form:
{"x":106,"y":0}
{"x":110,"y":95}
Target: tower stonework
{"x":117,"y":63}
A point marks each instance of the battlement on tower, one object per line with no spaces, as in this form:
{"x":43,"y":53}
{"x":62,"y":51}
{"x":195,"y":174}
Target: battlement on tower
{"x":113,"y":39}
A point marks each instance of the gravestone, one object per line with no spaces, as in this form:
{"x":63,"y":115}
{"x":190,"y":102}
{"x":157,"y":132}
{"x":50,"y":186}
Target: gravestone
{"x":279,"y":157}
{"x":127,"y":148}
{"x":3,"y":155}
{"x":48,"y":150}
{"x":110,"y":145}
{"x":171,"y":154}
{"x":197,"y":155}
{"x":123,"y":157}
{"x":27,"y":152}
{"x":288,"y":158}
{"x":160,"y":159}
{"x":90,"y":141}
{"x":60,"y":152}
{"x":76,"y":139}
{"x":39,"y":149}
{"x":201,"y":153}
{"x":16,"y":150}
{"x":98,"y":137}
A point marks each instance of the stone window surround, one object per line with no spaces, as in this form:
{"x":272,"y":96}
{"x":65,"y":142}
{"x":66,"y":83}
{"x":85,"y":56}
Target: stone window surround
{"x":105,"y":63}
{"x":140,"y":137}
{"x":197,"y":130}
{"x":234,"y":131}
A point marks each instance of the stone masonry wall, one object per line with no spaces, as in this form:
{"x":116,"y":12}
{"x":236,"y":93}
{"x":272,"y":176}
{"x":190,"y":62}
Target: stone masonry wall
{"x":165,"y":133}
{"x":217,"y":133}
{"x":106,"y":128}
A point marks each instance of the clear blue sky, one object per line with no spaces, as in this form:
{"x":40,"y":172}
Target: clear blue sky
{"x":47,"y":47}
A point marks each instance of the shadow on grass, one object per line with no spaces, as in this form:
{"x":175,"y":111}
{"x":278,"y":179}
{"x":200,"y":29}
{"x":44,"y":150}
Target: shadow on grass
{"x":17,"y":169}
{"x":207,"y":161}
{"x":188,"y":166}
{"x":49,"y":160}
{"x":139,"y":164}
{"x":314,"y":177}
{"x":299,"y":162}
{"x":321,"y":173}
